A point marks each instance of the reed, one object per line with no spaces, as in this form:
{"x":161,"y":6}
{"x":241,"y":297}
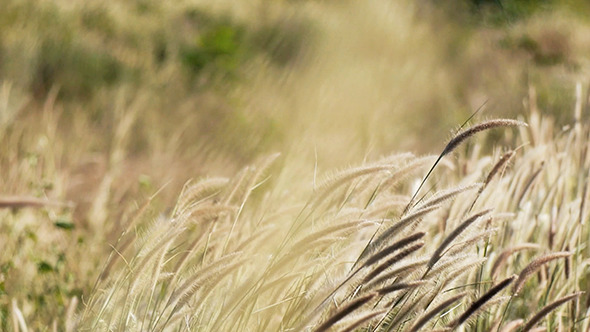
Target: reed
{"x":392,"y":248}
{"x":475,"y":306}
{"x":461,"y":137}
{"x":427,"y":316}
{"x":506,"y":253}
{"x":344,"y":311}
{"x":394,"y":229}
{"x":376,"y":270}
{"x":534,"y":266}
{"x":362,"y":320}
{"x":451,"y":237}
{"x":547,"y":309}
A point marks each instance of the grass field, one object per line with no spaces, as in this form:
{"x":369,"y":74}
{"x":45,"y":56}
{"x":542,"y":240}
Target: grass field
{"x":294,"y":166}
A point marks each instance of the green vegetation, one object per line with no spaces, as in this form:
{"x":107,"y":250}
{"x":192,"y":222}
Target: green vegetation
{"x":107,"y":109}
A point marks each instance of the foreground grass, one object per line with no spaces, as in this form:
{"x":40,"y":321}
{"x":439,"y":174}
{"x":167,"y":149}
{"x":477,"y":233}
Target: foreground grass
{"x":491,"y":241}
{"x":496,"y":243}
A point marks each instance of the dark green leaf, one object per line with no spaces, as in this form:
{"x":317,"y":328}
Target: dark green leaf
{"x":63,"y":224}
{"x":44,"y":267}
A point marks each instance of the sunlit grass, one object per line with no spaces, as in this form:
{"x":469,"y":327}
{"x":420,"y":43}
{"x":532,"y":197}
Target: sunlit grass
{"x":107,"y":109}
{"x":247,"y":254}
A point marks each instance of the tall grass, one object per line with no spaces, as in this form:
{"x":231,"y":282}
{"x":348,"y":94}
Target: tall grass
{"x":242,"y":254}
{"x":107,"y":108}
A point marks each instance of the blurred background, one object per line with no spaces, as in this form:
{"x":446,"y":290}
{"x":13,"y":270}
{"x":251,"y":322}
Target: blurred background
{"x":144,"y":93}
{"x":103,"y":103}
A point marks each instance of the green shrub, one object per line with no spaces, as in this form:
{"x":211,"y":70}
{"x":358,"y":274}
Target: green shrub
{"x":78,"y":70}
{"x":219,"y":50}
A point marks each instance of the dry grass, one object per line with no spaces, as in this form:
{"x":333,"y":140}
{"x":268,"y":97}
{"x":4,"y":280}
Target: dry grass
{"x":97,"y":237}
{"x":327,"y":265}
